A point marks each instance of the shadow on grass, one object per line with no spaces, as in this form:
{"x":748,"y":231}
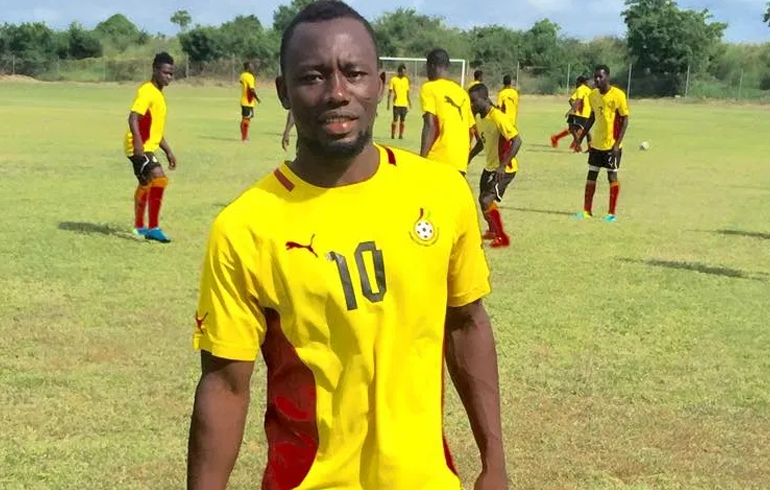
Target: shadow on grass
{"x":237,"y":139}
{"x":702,"y":268}
{"x":544,"y":211}
{"x":538,"y":148}
{"x":82,"y":228}
{"x":749,"y":234}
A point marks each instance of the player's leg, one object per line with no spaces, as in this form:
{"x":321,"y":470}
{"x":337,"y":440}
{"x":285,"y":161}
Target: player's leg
{"x":486,"y":180}
{"x":498,"y":191}
{"x":140,"y":194}
{"x":158,"y":182}
{"x":394,"y":123}
{"x":246,"y":114}
{"x":612,"y":176}
{"x":594,"y":164}
{"x":402,"y":123}
{"x":555,"y":138}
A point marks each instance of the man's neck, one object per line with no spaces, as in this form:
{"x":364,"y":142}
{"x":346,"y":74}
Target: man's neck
{"x":606,"y":89}
{"x":329,"y":172}
{"x":157,"y":84}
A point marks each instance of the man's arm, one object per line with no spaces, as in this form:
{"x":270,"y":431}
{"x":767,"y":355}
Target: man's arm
{"x":622,"y":133}
{"x":589,"y":125}
{"x":428,"y":133}
{"x":133,"y":126}
{"x":218,"y":421}
{"x":253,"y":92}
{"x":286,"y":130}
{"x":409,"y":98}
{"x":472,"y":364}
{"x":516,"y":143}
{"x":390,"y":92}
{"x":169,"y":154}
{"x":476,"y":150}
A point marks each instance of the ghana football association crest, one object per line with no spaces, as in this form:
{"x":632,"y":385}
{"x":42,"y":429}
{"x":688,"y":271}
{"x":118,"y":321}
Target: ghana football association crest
{"x":424,"y":231}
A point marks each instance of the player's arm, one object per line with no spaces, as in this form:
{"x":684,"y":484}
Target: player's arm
{"x":509,"y":155}
{"x":476,"y":149}
{"x":623,"y":113}
{"x":429,"y":129}
{"x":133,"y":126}
{"x":289,"y":123}
{"x":218,"y":421}
{"x":589,"y":125}
{"x":169,"y":153}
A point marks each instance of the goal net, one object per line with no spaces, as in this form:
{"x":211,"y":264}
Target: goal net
{"x":415,"y":69}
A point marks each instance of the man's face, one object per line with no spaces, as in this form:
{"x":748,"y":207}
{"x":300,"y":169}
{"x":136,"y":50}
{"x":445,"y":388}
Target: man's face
{"x":164,"y":74}
{"x":601,"y":79}
{"x":478,"y":104}
{"x":401,"y":72}
{"x":332,"y":86}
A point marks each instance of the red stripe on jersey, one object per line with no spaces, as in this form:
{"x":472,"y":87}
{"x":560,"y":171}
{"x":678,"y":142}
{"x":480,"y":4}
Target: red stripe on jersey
{"x":616,"y":126}
{"x":289,"y":185}
{"x":503,"y":146}
{"x":391,"y":156}
{"x":145,"y":125}
{"x":290,"y":419}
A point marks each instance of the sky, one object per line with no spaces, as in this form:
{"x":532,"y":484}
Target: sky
{"x":584,"y":19}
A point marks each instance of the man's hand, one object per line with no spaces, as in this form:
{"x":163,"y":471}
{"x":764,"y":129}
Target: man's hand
{"x":171,"y":160}
{"x":285,"y":141}
{"x":614,"y":155}
{"x":139,"y":150}
{"x":500,"y":173}
{"x":492,"y":480}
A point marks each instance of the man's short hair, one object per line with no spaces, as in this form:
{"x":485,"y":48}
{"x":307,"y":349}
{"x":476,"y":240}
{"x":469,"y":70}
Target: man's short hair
{"x":439,"y":58}
{"x":162,"y":58}
{"x":480,"y":89}
{"x":401,"y":67}
{"x":581,"y":80}
{"x":605,"y":68}
{"x":321,"y":11}
{"x":507,"y":80}
{"x":477,"y":74}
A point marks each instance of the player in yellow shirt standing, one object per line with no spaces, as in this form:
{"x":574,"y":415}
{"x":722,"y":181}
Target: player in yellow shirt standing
{"x":447,"y":118}
{"x":249,"y":98}
{"x":501,"y":142}
{"x":478,"y":77}
{"x":508,"y":100}
{"x":352,"y":306}
{"x":402,"y":102}
{"x":577,"y":116}
{"x":609,"y":116}
{"x":146,"y":127}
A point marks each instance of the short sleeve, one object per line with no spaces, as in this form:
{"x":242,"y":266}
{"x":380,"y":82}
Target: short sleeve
{"x":392,"y":85}
{"x":468,"y":278}
{"x":230,"y":324}
{"x":575,"y":95}
{"x":468,"y":114}
{"x":142,"y":102}
{"x":427,"y":100}
{"x":623,"y":109}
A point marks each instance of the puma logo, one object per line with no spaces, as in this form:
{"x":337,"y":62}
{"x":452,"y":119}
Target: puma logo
{"x":451,"y":102}
{"x":309,"y":247}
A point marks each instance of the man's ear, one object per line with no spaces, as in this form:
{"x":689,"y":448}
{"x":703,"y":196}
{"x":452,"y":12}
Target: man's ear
{"x":283,"y":95}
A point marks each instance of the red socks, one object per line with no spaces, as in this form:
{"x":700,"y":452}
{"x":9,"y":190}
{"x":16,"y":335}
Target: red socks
{"x":157,"y":187}
{"x":401,"y":130}
{"x":614,"y":191}
{"x":245,"y":129}
{"x":589,"y":196}
{"x":140,"y":204}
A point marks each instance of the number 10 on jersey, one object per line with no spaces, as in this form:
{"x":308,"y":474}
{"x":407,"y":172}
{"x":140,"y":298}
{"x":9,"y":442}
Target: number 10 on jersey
{"x":366,"y":282}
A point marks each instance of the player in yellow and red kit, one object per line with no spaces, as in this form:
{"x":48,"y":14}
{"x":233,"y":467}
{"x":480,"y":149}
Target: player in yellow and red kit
{"x":249,"y":98}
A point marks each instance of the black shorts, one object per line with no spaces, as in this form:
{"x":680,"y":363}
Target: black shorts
{"x":247,"y":112}
{"x":577,"y":122}
{"x":487,"y":184}
{"x":400,"y":113}
{"x":603,"y":159}
{"x":143,"y":167}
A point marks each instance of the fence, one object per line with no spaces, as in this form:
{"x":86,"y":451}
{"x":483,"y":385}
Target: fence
{"x":744,"y":85}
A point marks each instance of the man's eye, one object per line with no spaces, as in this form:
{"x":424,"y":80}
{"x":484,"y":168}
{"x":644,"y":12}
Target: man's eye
{"x":311,"y":77}
{"x":356,"y":75}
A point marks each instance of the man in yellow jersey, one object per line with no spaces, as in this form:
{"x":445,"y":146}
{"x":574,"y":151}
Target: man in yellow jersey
{"x":146,"y":126}
{"x":351,"y":296}
{"x":249,"y":98}
{"x":508,"y":100}
{"x":402,"y":102}
{"x":447,"y":117}
{"x":478,"y":77}
{"x":609,"y":115}
{"x":577,"y":116}
{"x":501,"y":142}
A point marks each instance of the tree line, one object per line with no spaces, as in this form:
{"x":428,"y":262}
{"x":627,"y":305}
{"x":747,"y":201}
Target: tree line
{"x":663,"y":43}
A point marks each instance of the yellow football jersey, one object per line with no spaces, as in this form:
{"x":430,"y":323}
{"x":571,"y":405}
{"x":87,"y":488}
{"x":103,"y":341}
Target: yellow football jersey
{"x":508,"y":102}
{"x":606,"y":108}
{"x":248,"y":83}
{"x":150,"y":104}
{"x":400,"y":88}
{"x":347,"y":303}
{"x":451,"y":108}
{"x":582,"y":94}
{"x":497,"y":132}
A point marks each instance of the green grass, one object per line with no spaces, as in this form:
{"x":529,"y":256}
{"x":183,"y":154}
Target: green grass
{"x":632,"y":355}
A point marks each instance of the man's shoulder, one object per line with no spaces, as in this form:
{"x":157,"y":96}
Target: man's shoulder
{"x":258,"y":200}
{"x":419,"y":169}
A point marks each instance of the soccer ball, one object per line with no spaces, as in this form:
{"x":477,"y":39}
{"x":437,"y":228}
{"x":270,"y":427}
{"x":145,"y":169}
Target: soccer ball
{"x":424,"y":230}
{"x":644,"y":146}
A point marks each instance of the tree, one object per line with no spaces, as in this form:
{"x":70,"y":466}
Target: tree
{"x":182,"y":18}
{"x":285,"y":13}
{"x":81,"y":43}
{"x":203,"y":44}
{"x":404,"y":32}
{"x":766,"y":17}
{"x":119,"y":32}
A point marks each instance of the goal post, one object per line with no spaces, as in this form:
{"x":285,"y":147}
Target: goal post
{"x":415,"y":67}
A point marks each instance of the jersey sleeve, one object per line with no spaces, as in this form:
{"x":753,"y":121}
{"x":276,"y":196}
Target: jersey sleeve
{"x":230,"y":323}
{"x":506,"y":128}
{"x":142,"y":101}
{"x":623,"y":109}
{"x":468,"y":114}
{"x":427,"y":101}
{"x":468,"y":278}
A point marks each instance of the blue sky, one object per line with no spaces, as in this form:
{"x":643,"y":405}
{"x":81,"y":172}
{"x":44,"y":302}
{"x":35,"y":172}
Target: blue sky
{"x":584,"y":19}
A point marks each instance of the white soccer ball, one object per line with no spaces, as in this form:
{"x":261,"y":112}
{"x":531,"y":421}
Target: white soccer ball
{"x":644,"y":146}
{"x":424,"y":230}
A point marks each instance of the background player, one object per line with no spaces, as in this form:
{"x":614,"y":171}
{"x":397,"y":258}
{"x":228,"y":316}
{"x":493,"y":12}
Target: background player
{"x":402,"y":102}
{"x":478,"y":77}
{"x":146,"y":125}
{"x":356,"y":407}
{"x":501,"y":141}
{"x":446,"y":113}
{"x":249,"y":98}
{"x":577,"y":116}
{"x":609,"y":116}
{"x":508,"y":100}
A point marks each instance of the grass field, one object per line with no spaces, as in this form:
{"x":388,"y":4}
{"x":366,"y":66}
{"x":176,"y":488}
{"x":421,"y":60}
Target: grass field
{"x":633,"y":355}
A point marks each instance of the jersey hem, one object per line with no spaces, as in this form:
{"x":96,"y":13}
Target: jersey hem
{"x":469,"y":297}
{"x":223,"y":351}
